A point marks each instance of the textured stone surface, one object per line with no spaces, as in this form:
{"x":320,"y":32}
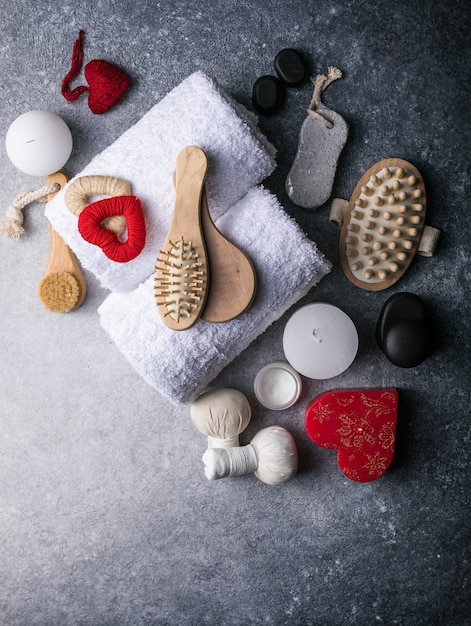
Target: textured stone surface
{"x":105,"y":514}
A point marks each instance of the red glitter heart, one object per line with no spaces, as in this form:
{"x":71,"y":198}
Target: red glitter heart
{"x":360,"y":425}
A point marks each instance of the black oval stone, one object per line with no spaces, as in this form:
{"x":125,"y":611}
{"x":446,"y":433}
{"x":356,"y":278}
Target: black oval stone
{"x":291,"y":67}
{"x":402,"y":331}
{"x":407,"y":343}
{"x":267,"y":95}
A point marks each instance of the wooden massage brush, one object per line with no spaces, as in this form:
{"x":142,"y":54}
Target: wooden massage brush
{"x":181,"y":271}
{"x":383,"y":224}
{"x":63,"y":286}
{"x":233,"y":281}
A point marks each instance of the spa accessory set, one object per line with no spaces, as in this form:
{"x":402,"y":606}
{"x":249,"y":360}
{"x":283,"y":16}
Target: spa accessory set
{"x":198,"y":258}
{"x":39,"y":143}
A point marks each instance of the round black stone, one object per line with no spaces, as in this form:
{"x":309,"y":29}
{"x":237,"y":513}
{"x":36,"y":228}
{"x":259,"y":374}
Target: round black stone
{"x":291,"y":67}
{"x":267,"y":95}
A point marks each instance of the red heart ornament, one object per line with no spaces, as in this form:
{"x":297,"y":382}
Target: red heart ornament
{"x":107,"y":84}
{"x":90,"y":227}
{"x":360,"y":425}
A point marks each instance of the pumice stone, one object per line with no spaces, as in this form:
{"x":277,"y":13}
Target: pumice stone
{"x":291,"y":67}
{"x":322,"y":137}
{"x":311,"y":177}
{"x":402,"y":332}
{"x":267,"y":95}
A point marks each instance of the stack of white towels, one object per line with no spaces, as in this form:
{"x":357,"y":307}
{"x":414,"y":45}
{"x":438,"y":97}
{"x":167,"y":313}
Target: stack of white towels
{"x":180,"y":364}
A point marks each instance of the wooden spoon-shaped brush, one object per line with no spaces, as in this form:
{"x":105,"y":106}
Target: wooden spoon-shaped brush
{"x":233,"y":279}
{"x":181,"y":271}
{"x":63,"y":286}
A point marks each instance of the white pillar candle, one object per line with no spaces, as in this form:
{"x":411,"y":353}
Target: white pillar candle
{"x":38,"y":143}
{"x":320,"y":341}
{"x":277,"y":386}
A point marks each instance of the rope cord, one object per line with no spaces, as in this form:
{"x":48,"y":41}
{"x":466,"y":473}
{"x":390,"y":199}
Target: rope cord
{"x":321,"y":82}
{"x":12,"y":228}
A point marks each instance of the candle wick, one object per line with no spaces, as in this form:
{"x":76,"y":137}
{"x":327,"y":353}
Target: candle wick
{"x":317,"y":339}
{"x":30,"y":141}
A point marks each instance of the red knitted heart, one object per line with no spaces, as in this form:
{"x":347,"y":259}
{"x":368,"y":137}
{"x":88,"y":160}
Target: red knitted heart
{"x":106,"y":82}
{"x":360,"y":425}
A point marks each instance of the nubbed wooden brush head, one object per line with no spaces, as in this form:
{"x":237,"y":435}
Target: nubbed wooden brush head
{"x":383,"y":224}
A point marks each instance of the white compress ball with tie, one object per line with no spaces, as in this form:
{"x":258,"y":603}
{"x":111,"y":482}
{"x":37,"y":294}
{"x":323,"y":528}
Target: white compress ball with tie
{"x":271,"y":455}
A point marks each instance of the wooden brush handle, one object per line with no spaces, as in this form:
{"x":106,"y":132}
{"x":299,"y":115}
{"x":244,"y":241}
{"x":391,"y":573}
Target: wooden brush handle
{"x":61,"y":257}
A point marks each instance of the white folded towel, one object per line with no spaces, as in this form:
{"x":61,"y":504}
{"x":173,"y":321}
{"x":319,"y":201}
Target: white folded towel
{"x":181,"y":364}
{"x":196,"y":112}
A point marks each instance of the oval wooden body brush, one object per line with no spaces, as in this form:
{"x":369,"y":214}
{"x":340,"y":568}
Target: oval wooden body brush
{"x":383,"y":224}
{"x":181,"y":271}
{"x":63,"y":286}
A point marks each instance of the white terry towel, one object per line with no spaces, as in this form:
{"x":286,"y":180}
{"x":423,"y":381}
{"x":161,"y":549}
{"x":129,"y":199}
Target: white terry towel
{"x":181,"y":364}
{"x":196,"y":112}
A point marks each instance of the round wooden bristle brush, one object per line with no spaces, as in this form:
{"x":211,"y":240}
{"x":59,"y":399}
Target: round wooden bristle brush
{"x":63,"y":286}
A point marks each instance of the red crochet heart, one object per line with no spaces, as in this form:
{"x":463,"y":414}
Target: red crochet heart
{"x":360,"y":425}
{"x":107,"y":84}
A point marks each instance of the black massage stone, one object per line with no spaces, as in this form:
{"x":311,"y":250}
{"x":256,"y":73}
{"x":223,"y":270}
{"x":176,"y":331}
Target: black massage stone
{"x":402,"y":331}
{"x":291,"y":67}
{"x":267,"y":95}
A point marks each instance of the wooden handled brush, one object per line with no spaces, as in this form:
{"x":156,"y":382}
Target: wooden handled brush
{"x":181,"y":271}
{"x":233,"y":281}
{"x":63,"y":286}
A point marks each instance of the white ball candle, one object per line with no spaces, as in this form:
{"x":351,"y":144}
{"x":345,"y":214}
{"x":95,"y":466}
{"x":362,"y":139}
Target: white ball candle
{"x":38,"y":143}
{"x":320,"y":341}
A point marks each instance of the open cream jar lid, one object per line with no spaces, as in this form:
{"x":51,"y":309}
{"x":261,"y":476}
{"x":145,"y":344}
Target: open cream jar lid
{"x":277,"y":386}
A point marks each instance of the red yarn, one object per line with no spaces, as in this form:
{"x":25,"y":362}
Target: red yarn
{"x":106,"y":82}
{"x":76,"y":66}
{"x":89,"y":225}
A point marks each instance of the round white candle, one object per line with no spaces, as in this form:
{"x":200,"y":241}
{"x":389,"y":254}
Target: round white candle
{"x":38,"y":143}
{"x":320,"y":341}
{"x":277,"y":386}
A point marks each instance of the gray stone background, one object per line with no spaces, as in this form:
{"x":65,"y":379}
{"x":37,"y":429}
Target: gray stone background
{"x":106,"y":517}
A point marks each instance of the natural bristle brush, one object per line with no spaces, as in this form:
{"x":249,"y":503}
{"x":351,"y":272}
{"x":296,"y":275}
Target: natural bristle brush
{"x":382,"y":226}
{"x":181,"y":271}
{"x":63,"y":286}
